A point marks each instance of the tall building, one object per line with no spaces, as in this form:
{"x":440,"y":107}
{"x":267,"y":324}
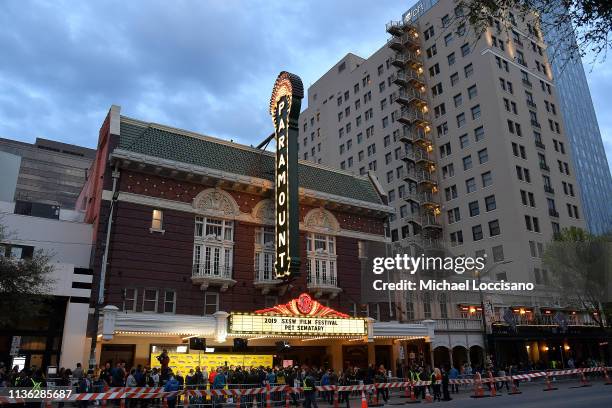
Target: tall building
{"x":586,"y":145}
{"x":49,"y":171}
{"x":191,"y":253}
{"x":467,"y":138}
{"x":55,"y":337}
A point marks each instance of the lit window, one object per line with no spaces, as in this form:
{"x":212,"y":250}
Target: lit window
{"x":213,"y":247}
{"x":157,"y":221}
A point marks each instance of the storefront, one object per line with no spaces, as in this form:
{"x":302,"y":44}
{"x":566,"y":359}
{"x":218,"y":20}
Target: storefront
{"x":300,"y":332}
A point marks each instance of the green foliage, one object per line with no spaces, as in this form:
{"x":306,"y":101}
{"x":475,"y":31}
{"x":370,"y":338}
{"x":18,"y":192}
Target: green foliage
{"x":23,"y":285}
{"x":580,"y":264}
{"x":589,"y":22}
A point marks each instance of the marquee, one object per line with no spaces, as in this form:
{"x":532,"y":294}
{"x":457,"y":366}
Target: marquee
{"x":301,"y":316}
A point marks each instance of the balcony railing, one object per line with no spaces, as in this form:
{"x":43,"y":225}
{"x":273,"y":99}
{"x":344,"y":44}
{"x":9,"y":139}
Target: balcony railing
{"x":323,"y":284}
{"x":458,"y":325}
{"x":544,"y":166}
{"x":413,"y":116}
{"x":535,"y":124}
{"x":540,"y":144}
{"x":527,"y":83}
{"x":402,"y":59}
{"x":407,"y":77}
{"x":406,"y":96}
{"x":532,"y":104}
{"x":206,"y":274}
{"x":401,"y":42}
{"x":553,"y":213}
{"x":430,"y":221}
{"x":399,"y":27}
{"x":549,"y":189}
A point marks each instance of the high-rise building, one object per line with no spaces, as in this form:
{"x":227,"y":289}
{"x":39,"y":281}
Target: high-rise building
{"x":584,"y":137}
{"x":49,"y":172}
{"x":467,"y":138}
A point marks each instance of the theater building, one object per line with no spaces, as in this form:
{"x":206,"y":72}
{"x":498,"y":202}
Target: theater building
{"x":191,"y":248}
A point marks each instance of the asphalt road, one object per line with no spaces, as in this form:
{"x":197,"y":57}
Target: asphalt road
{"x":597,"y":396}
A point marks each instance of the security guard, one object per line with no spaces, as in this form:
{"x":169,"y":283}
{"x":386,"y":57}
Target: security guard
{"x":309,"y":391}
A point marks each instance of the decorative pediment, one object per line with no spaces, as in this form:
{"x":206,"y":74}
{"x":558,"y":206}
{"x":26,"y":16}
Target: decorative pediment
{"x":215,"y":202}
{"x":321,"y":220}
{"x":263,"y":212}
{"x":303,"y":306}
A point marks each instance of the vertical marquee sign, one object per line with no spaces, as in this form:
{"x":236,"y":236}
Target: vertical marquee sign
{"x":285,"y":107}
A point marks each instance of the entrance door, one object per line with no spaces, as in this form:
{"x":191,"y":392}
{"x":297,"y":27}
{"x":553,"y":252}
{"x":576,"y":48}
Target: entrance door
{"x":117,"y":353}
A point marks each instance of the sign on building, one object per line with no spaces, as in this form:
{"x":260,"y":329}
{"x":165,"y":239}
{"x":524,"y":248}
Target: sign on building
{"x":285,"y":106}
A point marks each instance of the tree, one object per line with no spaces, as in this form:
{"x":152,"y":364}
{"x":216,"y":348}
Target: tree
{"x":24,"y":284}
{"x":579,"y":26}
{"x":580,"y":263}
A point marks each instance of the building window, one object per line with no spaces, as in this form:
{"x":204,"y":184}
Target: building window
{"x":409,"y":307}
{"x":487,"y":179}
{"x":470,"y":185}
{"x":130,"y":296}
{"x":494,"y":228}
{"x":490,"y":203}
{"x":443,"y":305}
{"x":321,"y":259}
{"x":474,"y":208}
{"x":149,"y":301}
{"x":211,"y":303}
{"x":264,"y":254}
{"x":427,"y":305}
{"x":460,"y":120}
{"x":483,"y":156}
{"x":477,"y":232}
{"x":213,"y":247}
{"x":169,"y":301}
{"x":157,"y":221}
{"x":498,"y":253}
{"x":479,"y":134}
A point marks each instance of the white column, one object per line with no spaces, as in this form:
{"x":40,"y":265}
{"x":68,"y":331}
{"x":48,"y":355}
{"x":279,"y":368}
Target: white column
{"x":73,"y":338}
{"x":220,"y":326}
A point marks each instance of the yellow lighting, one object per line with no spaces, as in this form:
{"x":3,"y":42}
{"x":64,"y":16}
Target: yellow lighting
{"x":420,"y":70}
{"x":528,"y":347}
{"x":427,"y":128}
{"x":566,"y":347}
{"x":545,"y":348}
{"x":437,"y":211}
{"x":522,"y":311}
{"x":472,"y":310}
{"x":425,"y":109}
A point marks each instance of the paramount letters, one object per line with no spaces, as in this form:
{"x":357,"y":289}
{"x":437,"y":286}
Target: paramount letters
{"x":285,"y":110}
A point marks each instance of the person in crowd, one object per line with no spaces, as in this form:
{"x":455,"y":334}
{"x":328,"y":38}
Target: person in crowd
{"x":78,"y":373}
{"x":172,"y":385}
{"x":436,"y":376}
{"x":445,"y":381}
{"x":453,"y":374}
{"x":310,"y":392}
{"x":380,"y":377}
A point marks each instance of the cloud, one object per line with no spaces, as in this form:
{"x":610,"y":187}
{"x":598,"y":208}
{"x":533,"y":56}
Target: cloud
{"x":206,"y":66}
{"x":203,"y":66}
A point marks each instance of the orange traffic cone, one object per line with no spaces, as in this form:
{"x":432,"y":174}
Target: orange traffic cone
{"x":492,"y":385}
{"x":549,"y":386}
{"x":478,"y":391}
{"x":428,"y":397}
{"x":515,"y":389}
{"x":606,"y":377}
{"x":412,"y":399}
{"x":583,"y":380}
{"x":364,"y":402}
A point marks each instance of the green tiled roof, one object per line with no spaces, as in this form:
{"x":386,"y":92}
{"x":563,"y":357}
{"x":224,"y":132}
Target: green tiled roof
{"x":151,"y":140}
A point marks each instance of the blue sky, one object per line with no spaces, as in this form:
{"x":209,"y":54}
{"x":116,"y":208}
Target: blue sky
{"x":206,"y":66}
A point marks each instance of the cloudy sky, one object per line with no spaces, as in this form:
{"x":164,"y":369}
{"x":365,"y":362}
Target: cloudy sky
{"x":206,"y":66}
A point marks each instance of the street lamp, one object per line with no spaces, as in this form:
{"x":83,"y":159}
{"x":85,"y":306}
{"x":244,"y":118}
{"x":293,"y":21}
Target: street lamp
{"x":482,"y":307}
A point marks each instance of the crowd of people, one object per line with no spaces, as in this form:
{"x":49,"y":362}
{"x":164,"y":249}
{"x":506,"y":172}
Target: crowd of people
{"x":306,"y":378}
